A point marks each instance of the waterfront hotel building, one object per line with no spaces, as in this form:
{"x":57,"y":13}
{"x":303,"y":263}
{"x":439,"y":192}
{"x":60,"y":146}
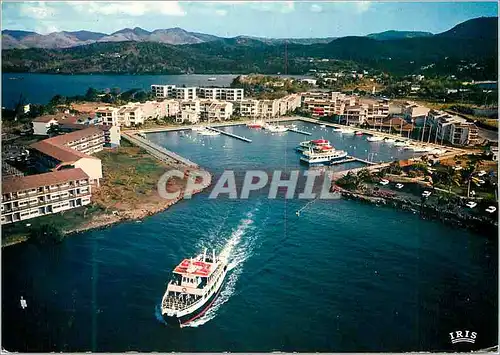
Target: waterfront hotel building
{"x":38,"y":195}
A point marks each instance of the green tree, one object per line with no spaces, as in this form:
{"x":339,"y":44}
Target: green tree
{"x":57,"y":100}
{"x":91,"y":94}
{"x":53,"y":130}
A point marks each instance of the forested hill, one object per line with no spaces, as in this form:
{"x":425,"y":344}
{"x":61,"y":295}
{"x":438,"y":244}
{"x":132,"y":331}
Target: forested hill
{"x":246,"y":55}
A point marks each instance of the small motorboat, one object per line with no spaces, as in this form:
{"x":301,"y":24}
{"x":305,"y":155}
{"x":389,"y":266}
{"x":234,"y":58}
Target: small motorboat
{"x":358,"y":133}
{"x":374,"y":139}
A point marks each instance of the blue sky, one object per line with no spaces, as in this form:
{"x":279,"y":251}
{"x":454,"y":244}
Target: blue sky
{"x":232,"y":18}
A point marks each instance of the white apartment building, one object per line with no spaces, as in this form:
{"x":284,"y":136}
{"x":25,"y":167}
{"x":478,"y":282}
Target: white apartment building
{"x":289,"y":103}
{"x":185,"y":93}
{"x":356,"y":114}
{"x":378,"y":110}
{"x":248,"y":108}
{"x":453,"y":129}
{"x":414,"y":112}
{"x":42,"y":124}
{"x":228,"y":94}
{"x":268,"y":108}
{"x":108,"y":115}
{"x":172,"y":107}
{"x":187,"y":116}
{"x":163,"y":90}
{"x":219,"y":111}
{"x":25,"y":197}
{"x":152,"y":110}
{"x":130,"y":115}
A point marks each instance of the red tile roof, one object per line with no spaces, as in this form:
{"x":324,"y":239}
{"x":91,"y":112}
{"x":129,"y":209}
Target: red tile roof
{"x":59,"y":152}
{"x":73,"y":136}
{"x":20,"y":183}
{"x":60,"y":118}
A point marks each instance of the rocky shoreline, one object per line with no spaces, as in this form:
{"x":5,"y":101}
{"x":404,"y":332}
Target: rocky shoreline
{"x":103,"y":221}
{"x":482,"y":225}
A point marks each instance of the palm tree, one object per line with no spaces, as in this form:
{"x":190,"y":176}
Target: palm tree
{"x":364,"y":175}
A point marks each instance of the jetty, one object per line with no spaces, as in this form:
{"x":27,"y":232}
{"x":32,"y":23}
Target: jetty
{"x":158,"y":151}
{"x":351,"y":159}
{"x":244,"y":139}
{"x":295,"y":130}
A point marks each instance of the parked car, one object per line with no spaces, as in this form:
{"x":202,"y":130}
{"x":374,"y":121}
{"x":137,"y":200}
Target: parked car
{"x":399,"y":186}
{"x":481,"y":173}
{"x":426,"y":193}
{"x":491,"y":209}
{"x":384,"y":182}
{"x":471,"y":204}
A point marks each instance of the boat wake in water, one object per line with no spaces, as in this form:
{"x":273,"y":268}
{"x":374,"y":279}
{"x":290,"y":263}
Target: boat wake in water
{"x":237,"y":249}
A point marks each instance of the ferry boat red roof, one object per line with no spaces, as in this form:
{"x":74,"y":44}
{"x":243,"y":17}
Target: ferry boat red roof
{"x":319,"y":141}
{"x":199,"y":268}
{"x":326,"y":147}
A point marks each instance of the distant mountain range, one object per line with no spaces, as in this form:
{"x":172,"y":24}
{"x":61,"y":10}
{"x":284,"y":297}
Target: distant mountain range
{"x":138,"y":51}
{"x":177,"y":36}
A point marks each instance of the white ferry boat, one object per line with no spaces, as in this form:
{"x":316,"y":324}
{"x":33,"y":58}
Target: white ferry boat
{"x":194,"y":286}
{"x":326,"y":154}
{"x":314,"y":144}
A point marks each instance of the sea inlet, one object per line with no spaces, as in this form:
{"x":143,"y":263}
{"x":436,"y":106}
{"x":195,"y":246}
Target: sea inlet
{"x":342,"y":277}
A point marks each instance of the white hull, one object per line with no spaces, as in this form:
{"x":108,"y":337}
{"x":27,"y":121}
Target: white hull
{"x":277,"y":128}
{"x":197,"y":128}
{"x":347,"y":131}
{"x":322,"y":158}
{"x":207,"y":132}
{"x":178,"y":312}
{"x":374,"y":139}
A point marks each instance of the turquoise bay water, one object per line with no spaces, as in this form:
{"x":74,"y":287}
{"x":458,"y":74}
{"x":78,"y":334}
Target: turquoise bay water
{"x":343,"y":276}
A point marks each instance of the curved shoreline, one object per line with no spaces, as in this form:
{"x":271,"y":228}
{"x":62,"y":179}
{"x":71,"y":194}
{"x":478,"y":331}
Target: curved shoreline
{"x":103,"y":221}
{"x":482,"y":225}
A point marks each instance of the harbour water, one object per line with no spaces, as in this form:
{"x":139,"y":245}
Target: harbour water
{"x":29,"y":84}
{"x":342,"y":277}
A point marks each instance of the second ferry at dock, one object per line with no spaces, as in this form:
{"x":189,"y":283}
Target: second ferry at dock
{"x":322,"y":155}
{"x":315,"y":144}
{"x":194,"y":286}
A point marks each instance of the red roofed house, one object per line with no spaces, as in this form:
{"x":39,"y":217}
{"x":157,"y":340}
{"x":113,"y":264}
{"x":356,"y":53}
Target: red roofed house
{"x":42,"y":124}
{"x":72,"y":150}
{"x":25,"y":197}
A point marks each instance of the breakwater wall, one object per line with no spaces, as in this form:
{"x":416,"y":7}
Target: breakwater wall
{"x":448,"y":215}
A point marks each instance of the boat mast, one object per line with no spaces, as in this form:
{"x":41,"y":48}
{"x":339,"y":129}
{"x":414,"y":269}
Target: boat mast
{"x":205,"y":255}
{"x":213,"y":253}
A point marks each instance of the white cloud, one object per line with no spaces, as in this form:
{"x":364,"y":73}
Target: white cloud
{"x":221,"y":12}
{"x":316,"y":8}
{"x":362,"y":6}
{"x":130,"y":8}
{"x":37,"y":10}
